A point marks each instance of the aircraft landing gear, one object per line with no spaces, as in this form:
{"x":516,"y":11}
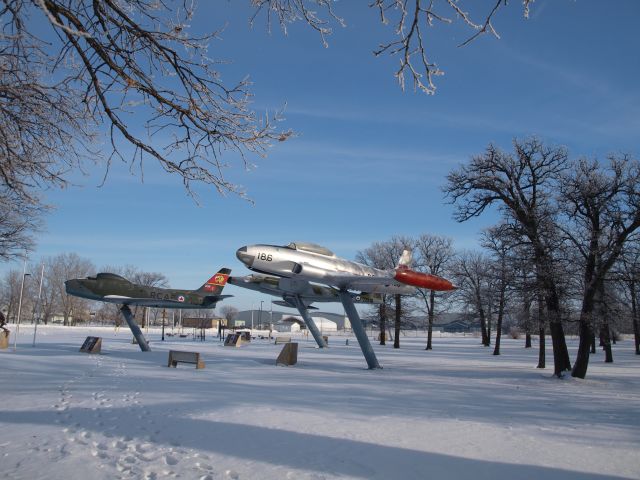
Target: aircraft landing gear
{"x":135,"y":329}
{"x":311,"y":325}
{"x":358,"y":329}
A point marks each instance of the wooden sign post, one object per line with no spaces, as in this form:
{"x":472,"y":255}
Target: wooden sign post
{"x":288,"y":355}
{"x":92,"y":345}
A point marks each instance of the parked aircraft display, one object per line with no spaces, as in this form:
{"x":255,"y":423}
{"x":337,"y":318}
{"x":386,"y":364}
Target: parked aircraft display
{"x":112,"y":288}
{"x":313,"y":263}
{"x":289,"y":288}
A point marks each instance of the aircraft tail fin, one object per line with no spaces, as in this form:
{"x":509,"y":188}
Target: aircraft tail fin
{"x":215,"y":284}
{"x":405,"y":259}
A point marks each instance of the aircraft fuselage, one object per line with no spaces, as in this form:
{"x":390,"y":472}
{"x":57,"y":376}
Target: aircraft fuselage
{"x":316,"y":264}
{"x":108,"y":287}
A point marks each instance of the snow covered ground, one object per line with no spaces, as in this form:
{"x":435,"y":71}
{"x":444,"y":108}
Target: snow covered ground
{"x":455,"y":412}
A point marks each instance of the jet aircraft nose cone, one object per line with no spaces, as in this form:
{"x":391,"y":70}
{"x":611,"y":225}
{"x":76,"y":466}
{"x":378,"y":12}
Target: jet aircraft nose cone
{"x":244,"y":257}
{"x":75,"y":287}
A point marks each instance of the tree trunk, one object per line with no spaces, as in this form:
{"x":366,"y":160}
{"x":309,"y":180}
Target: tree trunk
{"x":432,"y":297}
{"x":634,"y":314}
{"x":496,"y":349}
{"x":605,"y":332}
{"x":541,"y":349}
{"x":489,"y":318}
{"x":396,"y":340}
{"x":527,"y":324}
{"x":584,"y":347}
{"x":606,"y":343}
{"x":383,"y":322}
{"x":547,"y":287}
{"x":483,"y":324}
{"x":593,"y":342}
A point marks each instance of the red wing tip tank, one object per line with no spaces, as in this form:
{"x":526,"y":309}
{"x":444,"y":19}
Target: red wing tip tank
{"x":422,"y":280}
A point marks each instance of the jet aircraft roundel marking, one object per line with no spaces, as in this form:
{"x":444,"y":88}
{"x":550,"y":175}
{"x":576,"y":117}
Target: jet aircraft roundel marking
{"x":181,"y":298}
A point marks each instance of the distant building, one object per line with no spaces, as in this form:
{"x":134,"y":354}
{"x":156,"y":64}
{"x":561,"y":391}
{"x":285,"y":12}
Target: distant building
{"x":247,"y":318}
{"x":193,"y":322}
{"x":289,"y":324}
{"x":323,"y":324}
{"x":58,"y":319}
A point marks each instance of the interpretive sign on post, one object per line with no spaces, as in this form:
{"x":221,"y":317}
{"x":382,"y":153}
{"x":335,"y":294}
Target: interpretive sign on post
{"x":92,"y":345}
{"x":4,"y":339}
{"x":288,"y":355}
{"x":235,"y":340}
{"x":176,"y":357}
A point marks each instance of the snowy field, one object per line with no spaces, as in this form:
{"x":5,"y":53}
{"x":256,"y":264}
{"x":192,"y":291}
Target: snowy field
{"x":456,"y":412}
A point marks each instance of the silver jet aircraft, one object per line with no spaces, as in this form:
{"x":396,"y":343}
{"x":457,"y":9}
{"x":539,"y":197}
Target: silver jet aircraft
{"x":313,"y":263}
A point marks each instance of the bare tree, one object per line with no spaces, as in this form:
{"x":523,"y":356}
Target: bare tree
{"x":470,"y":271}
{"x":9,"y":293}
{"x":524,"y":285}
{"x":229,"y":313}
{"x":630,"y":278}
{"x":101,"y":63}
{"x":64,"y":267}
{"x":434,"y":254}
{"x":376,"y":256}
{"x":393,"y":251}
{"x":410,"y":20}
{"x":603,"y":205}
{"x":522,"y":185}
{"x":499,"y":242}
{"x":20,"y":218}
{"x":120,"y":65}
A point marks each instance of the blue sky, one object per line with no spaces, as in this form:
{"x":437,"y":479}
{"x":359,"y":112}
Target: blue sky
{"x":369,"y":160}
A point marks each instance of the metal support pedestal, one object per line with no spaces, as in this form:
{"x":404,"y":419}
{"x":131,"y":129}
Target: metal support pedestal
{"x":358,"y":329}
{"x":311,"y":325}
{"x":135,"y":329}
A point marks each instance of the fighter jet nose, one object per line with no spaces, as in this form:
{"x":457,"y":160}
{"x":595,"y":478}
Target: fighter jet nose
{"x":74,"y":287}
{"x":244,"y":257}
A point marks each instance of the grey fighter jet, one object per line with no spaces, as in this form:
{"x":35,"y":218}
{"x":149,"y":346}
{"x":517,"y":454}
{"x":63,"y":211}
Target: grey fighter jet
{"x":112,"y":288}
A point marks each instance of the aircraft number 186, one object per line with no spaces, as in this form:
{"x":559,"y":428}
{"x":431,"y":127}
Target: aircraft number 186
{"x":264,"y":256}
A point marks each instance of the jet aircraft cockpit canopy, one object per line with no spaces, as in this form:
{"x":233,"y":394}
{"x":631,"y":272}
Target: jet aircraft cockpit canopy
{"x":108,"y":276}
{"x":311,"y":247}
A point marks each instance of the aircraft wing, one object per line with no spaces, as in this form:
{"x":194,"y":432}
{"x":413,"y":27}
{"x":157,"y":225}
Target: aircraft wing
{"x":379,"y":284}
{"x":155,"y":302}
{"x":289,"y":289}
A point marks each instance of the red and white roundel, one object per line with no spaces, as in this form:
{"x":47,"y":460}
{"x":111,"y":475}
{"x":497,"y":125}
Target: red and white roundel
{"x":181,"y":298}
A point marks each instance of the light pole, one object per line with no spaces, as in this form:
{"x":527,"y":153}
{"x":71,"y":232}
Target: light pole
{"x":38,"y":307}
{"x":260,"y":315}
{"x":24,"y":275}
{"x":163,"y":312}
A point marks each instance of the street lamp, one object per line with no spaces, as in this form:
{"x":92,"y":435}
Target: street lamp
{"x":260,"y":315}
{"x":38,"y":307}
{"x":163,"y":312}
{"x":15,"y":338}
